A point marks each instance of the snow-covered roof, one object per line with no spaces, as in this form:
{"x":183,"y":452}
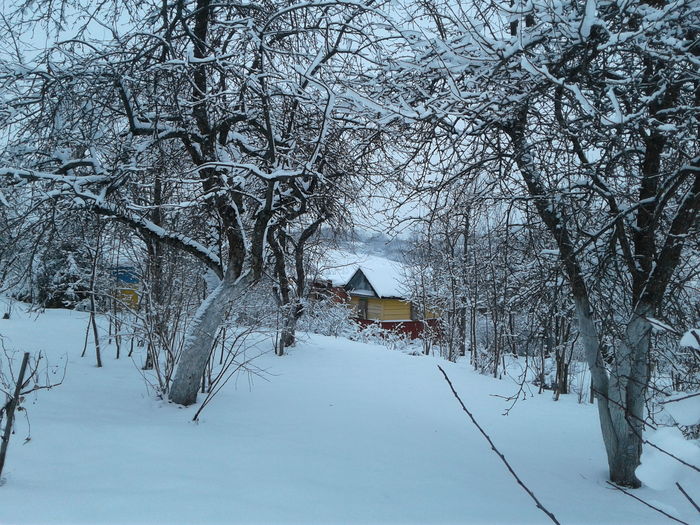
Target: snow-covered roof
{"x":385,"y":276}
{"x":337,"y":266}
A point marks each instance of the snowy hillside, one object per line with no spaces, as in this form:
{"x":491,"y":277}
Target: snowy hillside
{"x":336,"y":432}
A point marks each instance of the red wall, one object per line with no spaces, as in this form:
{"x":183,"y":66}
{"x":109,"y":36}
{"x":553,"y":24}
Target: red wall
{"x":413,"y":329}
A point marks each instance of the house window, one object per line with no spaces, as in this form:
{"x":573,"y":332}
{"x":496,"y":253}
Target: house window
{"x":362,"y":308}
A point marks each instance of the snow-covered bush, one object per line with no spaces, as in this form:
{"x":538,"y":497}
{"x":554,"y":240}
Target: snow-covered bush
{"x":62,"y":277}
{"x":328,"y":317}
{"x":684,"y":405}
{"x":374,"y":334}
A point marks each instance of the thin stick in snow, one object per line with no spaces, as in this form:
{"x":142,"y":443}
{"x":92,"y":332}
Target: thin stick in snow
{"x":10,"y":410}
{"x":646,"y":503}
{"x":691,"y":500}
{"x":680,"y":398}
{"x":498,"y":452}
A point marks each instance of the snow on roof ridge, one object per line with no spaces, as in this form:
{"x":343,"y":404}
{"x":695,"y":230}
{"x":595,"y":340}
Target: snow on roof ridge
{"x":385,"y":275}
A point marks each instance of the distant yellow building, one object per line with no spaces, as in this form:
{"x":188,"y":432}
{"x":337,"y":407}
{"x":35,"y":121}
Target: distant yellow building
{"x":126,"y":290}
{"x":127,"y":296}
{"x":379,"y":298}
{"x":377,"y":288}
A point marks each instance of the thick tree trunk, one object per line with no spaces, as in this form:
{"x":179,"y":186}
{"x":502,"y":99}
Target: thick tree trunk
{"x":621,"y":396}
{"x":628,"y":389}
{"x":599,"y":377}
{"x":200,"y":338}
{"x":292,"y":314}
{"x":463,"y":320}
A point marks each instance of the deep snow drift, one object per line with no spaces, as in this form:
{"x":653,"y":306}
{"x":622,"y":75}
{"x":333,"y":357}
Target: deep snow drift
{"x":338,"y":432}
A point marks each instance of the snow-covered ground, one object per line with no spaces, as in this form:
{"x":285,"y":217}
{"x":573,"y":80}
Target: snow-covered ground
{"x":340,"y":432}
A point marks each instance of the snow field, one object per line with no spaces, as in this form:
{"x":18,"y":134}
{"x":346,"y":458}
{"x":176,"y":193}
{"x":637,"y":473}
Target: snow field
{"x":338,"y":432}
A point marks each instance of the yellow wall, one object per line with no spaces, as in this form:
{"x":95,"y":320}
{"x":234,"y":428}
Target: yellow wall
{"x":127,"y":296}
{"x":354,"y":302}
{"x":385,"y":309}
{"x":374,"y":308}
{"x":395,"y":310}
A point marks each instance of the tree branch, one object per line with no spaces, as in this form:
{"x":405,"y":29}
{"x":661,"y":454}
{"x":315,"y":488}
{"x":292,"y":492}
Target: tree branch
{"x":498,"y":452}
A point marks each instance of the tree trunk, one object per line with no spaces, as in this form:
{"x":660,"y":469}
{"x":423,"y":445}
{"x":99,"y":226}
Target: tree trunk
{"x":562,"y":378}
{"x":472,"y":333}
{"x":200,"y":339}
{"x":93,"y":279}
{"x":155,"y":313}
{"x":292,"y":314}
{"x":620,"y":397}
{"x":628,"y":389}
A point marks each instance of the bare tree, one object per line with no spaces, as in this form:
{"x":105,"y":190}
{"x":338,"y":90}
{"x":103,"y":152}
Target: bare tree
{"x":246,"y":94}
{"x":594,"y":109}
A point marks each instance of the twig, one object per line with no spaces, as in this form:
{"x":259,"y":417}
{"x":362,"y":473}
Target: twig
{"x":691,"y":500}
{"x":624,"y":409}
{"x":646,"y":503}
{"x":680,"y":398}
{"x":498,"y":452}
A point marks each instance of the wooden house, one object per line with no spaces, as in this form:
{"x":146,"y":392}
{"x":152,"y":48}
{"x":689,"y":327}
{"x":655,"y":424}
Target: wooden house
{"x":377,"y":293}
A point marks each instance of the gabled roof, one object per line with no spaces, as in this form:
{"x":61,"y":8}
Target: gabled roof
{"x":383,"y":275}
{"x":360,"y":285}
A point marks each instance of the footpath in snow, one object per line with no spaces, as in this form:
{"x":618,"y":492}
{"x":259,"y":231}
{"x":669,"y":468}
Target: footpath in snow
{"x":338,"y":432}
